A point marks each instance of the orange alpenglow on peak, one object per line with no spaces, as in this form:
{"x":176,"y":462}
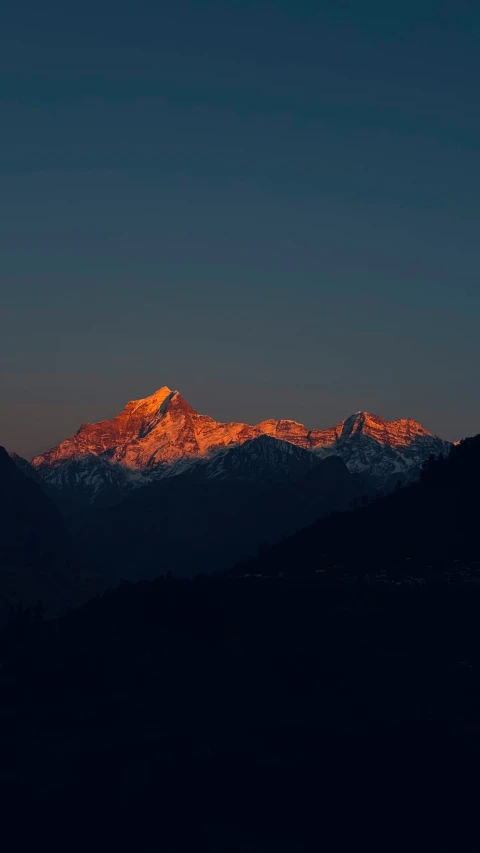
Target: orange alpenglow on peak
{"x":152,"y":402}
{"x":156,"y":432}
{"x":398,"y":433}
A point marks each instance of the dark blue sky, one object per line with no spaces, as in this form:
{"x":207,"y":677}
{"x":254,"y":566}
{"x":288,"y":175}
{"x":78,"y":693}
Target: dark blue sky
{"x":272,"y":207}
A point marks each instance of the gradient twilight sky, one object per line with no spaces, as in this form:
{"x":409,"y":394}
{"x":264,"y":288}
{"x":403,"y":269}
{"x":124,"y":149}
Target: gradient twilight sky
{"x":273,"y":207}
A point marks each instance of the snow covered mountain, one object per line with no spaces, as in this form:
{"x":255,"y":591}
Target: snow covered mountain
{"x":386,"y":450}
{"x":162,"y":435}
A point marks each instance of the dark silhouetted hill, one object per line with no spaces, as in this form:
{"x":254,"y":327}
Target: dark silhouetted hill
{"x":429,"y":523}
{"x":266,"y":715}
{"x":36,"y":559}
{"x":217,"y":512}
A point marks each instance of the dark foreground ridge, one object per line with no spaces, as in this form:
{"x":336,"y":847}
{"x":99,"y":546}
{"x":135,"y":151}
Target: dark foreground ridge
{"x":37,"y":556}
{"x":245,"y":715}
{"x":426,"y":532}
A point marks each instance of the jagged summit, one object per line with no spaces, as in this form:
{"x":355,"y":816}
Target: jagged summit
{"x":400,"y":432}
{"x":153,"y":403}
{"x":156,"y":397}
{"x":161,"y":433}
{"x":156,"y":430}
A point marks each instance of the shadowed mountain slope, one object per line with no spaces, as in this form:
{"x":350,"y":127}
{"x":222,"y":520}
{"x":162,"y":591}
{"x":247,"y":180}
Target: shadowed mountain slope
{"x":217,"y":511}
{"x":423,"y":525}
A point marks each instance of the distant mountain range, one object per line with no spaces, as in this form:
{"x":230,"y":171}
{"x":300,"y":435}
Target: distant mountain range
{"x":163,"y":436}
{"x":162,"y":488}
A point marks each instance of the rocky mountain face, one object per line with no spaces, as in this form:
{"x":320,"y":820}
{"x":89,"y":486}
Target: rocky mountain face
{"x":389,"y":451}
{"x":162,"y":435}
{"x":156,"y":431}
